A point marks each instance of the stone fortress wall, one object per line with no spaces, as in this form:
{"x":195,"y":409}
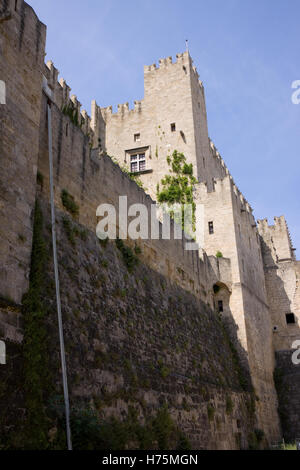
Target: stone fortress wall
{"x":282,"y":274}
{"x":177,"y":85}
{"x":173,"y":95}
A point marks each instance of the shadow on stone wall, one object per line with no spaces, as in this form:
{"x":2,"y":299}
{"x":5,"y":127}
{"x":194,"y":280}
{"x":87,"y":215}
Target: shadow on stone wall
{"x":286,"y":374}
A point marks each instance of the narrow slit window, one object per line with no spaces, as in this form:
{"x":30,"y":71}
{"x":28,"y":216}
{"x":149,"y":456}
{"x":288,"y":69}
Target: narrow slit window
{"x":210,"y":228}
{"x":290,"y":318}
{"x":173,"y":127}
{"x":220,"y":306}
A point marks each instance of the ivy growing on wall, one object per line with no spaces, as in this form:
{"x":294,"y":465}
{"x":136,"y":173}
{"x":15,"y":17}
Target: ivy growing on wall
{"x":69,"y":203}
{"x":36,"y":372}
{"x":177,"y":187}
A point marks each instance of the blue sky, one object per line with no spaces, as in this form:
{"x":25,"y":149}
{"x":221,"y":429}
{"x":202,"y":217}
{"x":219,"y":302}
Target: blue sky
{"x":246,"y":52}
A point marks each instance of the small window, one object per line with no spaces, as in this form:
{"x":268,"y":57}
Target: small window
{"x":137,"y":162}
{"x":67,"y":128}
{"x":16,"y":5}
{"x":210,"y":228}
{"x":137,"y":137}
{"x":290,"y":318}
{"x":173,"y":127}
{"x":220,"y":306}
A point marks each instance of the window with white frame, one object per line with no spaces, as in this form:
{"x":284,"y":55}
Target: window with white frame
{"x":137,"y":162}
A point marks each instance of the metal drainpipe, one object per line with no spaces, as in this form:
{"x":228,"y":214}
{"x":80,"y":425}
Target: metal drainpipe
{"x":58,"y":302}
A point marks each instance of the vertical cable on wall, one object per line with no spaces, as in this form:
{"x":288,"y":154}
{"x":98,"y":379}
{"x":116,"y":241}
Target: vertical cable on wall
{"x":60,"y":325}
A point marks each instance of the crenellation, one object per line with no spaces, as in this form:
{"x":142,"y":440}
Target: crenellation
{"x":123,"y":108}
{"x":62,"y":99}
{"x":53,"y":76}
{"x":65,"y":91}
{"x":195,"y":72}
{"x":149,"y":68}
{"x":107,"y":111}
{"x":182,"y":59}
{"x":138,"y":105}
{"x":165,"y":62}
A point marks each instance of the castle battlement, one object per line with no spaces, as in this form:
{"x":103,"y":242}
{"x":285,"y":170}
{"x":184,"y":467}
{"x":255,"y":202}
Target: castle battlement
{"x":216,"y":154}
{"x":165,"y":62}
{"x":61,"y":97}
{"x":122,"y":109}
{"x":226,"y":183}
{"x":277,"y":236}
{"x":245,"y":206}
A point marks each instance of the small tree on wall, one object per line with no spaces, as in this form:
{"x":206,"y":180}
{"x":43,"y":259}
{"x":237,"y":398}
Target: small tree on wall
{"x":177,"y":187}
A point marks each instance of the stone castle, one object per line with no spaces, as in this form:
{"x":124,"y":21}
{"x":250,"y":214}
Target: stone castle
{"x":253,"y":287}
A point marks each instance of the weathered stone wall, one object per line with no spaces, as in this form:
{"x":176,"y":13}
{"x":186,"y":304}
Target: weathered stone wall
{"x":22,"y":47}
{"x":288,"y":386}
{"x":282,"y":275}
{"x":136,"y":339}
{"x":235,"y":236}
{"x":173,"y":94}
{"x":93,"y":180}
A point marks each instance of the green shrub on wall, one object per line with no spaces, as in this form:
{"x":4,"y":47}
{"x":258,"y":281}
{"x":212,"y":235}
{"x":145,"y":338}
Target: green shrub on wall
{"x":72,"y":112}
{"x":177,"y":187}
{"x":89,"y":433}
{"x":129,"y":257}
{"x":69,"y":203}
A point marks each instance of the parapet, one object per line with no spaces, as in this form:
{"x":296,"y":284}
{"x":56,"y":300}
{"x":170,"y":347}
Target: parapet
{"x":245,"y":206}
{"x":61,"y":97}
{"x":278,"y":236}
{"x":183,"y":59}
{"x":123,"y":109}
{"x":226,"y":184}
{"x":218,"y":157}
